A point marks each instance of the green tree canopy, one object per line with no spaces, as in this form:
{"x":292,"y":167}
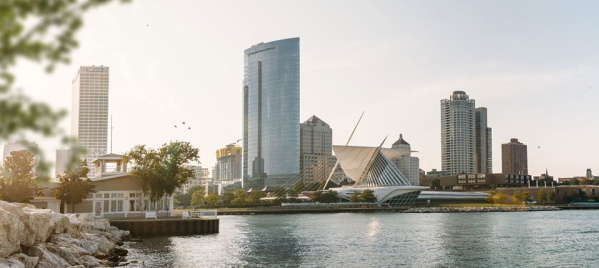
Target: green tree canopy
{"x":368,"y":196}
{"x":240,"y":197}
{"x":228,"y":197}
{"x":500,"y":197}
{"x":197,"y":198}
{"x":40,"y":31}
{"x":355,"y":197}
{"x":254,"y":197}
{"x":74,"y":186}
{"x":212,"y":199}
{"x":17,"y":180}
{"x":542,"y":196}
{"x":162,"y":171}
{"x":517,"y":196}
{"x":491,"y":197}
{"x":526,"y":196}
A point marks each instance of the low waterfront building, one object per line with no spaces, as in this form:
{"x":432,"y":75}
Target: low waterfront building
{"x":477,"y":181}
{"x":118,"y":194}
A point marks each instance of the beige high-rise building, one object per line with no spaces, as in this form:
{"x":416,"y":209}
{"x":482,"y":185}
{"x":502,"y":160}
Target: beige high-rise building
{"x":484,"y":142}
{"x":89,"y":113}
{"x":514,"y":158}
{"x":458,"y":134}
{"x":401,"y":155}
{"x":316,"y":149}
{"x":63,"y":156}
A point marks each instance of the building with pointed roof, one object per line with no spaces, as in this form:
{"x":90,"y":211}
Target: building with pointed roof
{"x":401,"y":155}
{"x":316,"y":150}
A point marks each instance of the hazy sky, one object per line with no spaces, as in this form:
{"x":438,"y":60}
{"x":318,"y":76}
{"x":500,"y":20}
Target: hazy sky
{"x":533,"y":64}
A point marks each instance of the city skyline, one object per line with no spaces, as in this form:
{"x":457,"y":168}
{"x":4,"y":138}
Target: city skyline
{"x":538,"y":86}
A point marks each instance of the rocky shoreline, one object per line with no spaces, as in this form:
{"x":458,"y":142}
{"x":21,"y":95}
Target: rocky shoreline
{"x":31,"y":237}
{"x":478,"y":209}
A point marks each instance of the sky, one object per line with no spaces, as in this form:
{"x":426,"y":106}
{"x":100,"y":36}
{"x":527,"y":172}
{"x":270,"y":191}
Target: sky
{"x":533,"y":64}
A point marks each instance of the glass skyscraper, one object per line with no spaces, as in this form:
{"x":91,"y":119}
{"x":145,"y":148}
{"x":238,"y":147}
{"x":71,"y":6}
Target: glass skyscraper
{"x":271,"y":106}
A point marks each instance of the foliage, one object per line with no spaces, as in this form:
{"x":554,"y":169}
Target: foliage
{"x":240,"y":197}
{"x":436,"y":184}
{"x":161,"y":171}
{"x":490,"y":197}
{"x":368,"y":196}
{"x":17,"y":180}
{"x":526,"y":196}
{"x":254,"y":197}
{"x":212,"y":199}
{"x":227,"y":198}
{"x":42,"y":31}
{"x":325,"y":197}
{"x":355,"y":197}
{"x":74,"y":186}
{"x":197,"y":198}
{"x":500,"y":197}
{"x":517,"y":197}
{"x":542,"y":196}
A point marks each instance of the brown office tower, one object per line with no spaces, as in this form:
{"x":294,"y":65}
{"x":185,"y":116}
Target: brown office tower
{"x":514,"y":158}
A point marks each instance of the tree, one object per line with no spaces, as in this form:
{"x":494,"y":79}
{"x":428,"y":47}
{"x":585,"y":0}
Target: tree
{"x":542,"y":196}
{"x":212,"y":199}
{"x":436,"y":184}
{"x":355,"y":197}
{"x":526,"y":196}
{"x":331,"y":197}
{"x":491,"y":197}
{"x":240,"y":197}
{"x":73,"y":186}
{"x":517,"y":197}
{"x":368,"y":196}
{"x":41,"y":31}
{"x":197,"y":198}
{"x":160,"y":172}
{"x":254,"y":197}
{"x":227,"y":198}
{"x":500,"y":197}
{"x":551,"y":197}
{"x":17,"y":181}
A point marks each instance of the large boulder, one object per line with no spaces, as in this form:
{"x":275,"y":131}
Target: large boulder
{"x":37,"y":224}
{"x":47,"y":259}
{"x":29,"y":262}
{"x":11,"y":263}
{"x":11,"y":230}
{"x":104,"y":246}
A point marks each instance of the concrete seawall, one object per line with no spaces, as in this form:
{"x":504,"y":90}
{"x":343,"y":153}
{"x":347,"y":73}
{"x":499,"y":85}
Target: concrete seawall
{"x":168,"y":227}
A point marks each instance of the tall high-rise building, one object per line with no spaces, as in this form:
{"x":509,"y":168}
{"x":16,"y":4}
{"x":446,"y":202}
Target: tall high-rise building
{"x":271,"y":105}
{"x":316,"y":150}
{"x":484,"y":142}
{"x":63,"y":156}
{"x":228,"y":163}
{"x":89,"y":113}
{"x":458,"y":134}
{"x":401,"y":155}
{"x":514,"y":158}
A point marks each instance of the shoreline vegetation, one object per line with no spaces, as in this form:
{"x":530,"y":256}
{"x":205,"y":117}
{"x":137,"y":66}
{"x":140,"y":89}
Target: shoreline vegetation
{"x":445,"y":208}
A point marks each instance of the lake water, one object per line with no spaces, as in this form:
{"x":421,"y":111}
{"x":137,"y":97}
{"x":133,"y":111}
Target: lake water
{"x":501,"y":239}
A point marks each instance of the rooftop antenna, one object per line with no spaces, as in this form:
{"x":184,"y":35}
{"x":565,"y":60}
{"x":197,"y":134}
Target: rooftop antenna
{"x":348,"y":140}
